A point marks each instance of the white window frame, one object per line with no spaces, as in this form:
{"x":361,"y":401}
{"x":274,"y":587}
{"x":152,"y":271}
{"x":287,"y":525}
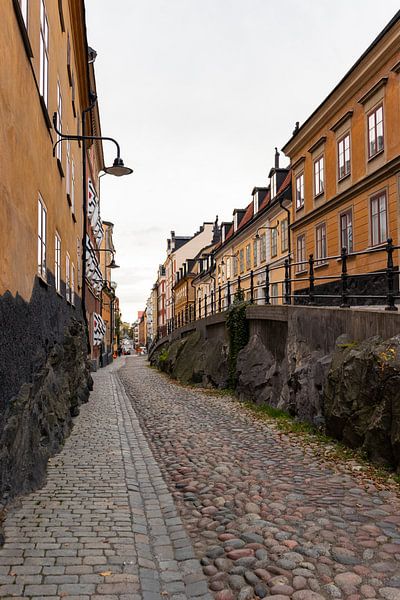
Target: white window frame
{"x":319,"y":184}
{"x":346,"y":233}
{"x":274,"y":293}
{"x":73,"y":186}
{"x":273,"y":186}
{"x":321,"y":249}
{"x":24,"y":6}
{"x":274,"y":242}
{"x":301,"y":253}
{"x":42,"y":237}
{"x":44,"y":54}
{"x":255,"y":253}
{"x":344,"y":166}
{"x":59,"y":120}
{"x":379,"y":226}
{"x":57,"y":262}
{"x":375,"y":131}
{"x":73,"y":284}
{"x":67,"y":277}
{"x":300,"y":191}
{"x":263,"y":247}
{"x":284,"y":235}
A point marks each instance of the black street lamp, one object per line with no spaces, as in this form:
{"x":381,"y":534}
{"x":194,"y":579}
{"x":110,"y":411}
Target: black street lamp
{"x":257,"y":236}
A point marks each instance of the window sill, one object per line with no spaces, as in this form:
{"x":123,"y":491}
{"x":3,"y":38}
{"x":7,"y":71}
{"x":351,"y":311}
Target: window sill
{"x":299,"y":208}
{"x":59,"y":165}
{"x":321,"y":265}
{"x":319,"y":196}
{"x":344,"y":177}
{"x":301,"y":272}
{"x":349,"y":255}
{"x":379,"y":245}
{"x":45,"y":112}
{"x":371,"y":158}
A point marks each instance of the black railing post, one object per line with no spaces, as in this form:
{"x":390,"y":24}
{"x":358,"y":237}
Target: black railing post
{"x":219,"y":298}
{"x":344,"y":278}
{"x":238,"y":282}
{"x":199,"y":308}
{"x":205,"y":305}
{"x":194,"y":310}
{"x":229,"y":293}
{"x":267,"y":296}
{"x":287,"y":282}
{"x":212,"y":302}
{"x":251,"y":287}
{"x":390,"y":277}
{"x":311,"y":290}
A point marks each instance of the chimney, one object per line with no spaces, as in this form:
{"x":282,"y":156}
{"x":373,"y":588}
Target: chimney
{"x":276,"y":158}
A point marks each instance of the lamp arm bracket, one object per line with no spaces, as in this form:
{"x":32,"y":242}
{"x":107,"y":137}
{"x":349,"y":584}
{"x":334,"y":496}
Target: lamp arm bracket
{"x":81,"y":137}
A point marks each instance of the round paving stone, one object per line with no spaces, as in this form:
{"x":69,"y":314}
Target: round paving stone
{"x":390,"y":593}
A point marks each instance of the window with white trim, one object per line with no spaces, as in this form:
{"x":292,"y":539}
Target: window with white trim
{"x":67,"y":278}
{"x":300,"y":191}
{"x":57,"y":262}
{"x":274,"y":241}
{"x":375,"y":131}
{"x":301,"y":253}
{"x":241,"y":260}
{"x":346,"y":231}
{"x":44,"y":54}
{"x":59,"y":121}
{"x":68,"y":170}
{"x":284,"y":236}
{"x":263,"y":247}
{"x":319,"y":176}
{"x":42,"y":234}
{"x":320,"y":238}
{"x":344,"y":156}
{"x":248,"y":258}
{"x":274,"y":293}
{"x":255,"y":253}
{"x":73,"y":284}
{"x":379,"y":229}
{"x":273,"y":186}
{"x":73,"y":186}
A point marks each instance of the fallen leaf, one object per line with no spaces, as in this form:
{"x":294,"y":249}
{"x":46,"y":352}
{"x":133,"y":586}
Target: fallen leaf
{"x":106,"y":573}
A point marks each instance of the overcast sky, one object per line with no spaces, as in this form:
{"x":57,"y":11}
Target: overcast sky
{"x":198,"y":93}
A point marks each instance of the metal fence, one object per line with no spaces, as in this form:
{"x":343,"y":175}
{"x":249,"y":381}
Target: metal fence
{"x":260,"y":286}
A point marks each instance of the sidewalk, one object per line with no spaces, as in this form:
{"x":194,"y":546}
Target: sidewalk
{"x":104,"y":527}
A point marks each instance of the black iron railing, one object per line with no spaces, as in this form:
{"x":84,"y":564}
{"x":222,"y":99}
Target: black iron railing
{"x":303,"y":282}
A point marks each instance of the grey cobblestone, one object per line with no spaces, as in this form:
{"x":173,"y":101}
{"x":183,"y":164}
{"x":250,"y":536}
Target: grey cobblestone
{"x":101,"y":526}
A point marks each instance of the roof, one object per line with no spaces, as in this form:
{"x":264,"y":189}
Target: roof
{"x":384,"y":31}
{"x":249,"y":214}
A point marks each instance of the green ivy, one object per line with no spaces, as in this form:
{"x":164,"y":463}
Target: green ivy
{"x":238,"y":331}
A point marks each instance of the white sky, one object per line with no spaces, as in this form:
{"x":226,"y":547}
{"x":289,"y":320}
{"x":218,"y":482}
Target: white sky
{"x":198,"y":93}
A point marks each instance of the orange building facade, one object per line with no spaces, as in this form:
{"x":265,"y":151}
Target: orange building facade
{"x":345,"y":162}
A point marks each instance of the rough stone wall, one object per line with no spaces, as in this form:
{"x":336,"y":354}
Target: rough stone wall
{"x":43,"y":380}
{"x":351,"y":392}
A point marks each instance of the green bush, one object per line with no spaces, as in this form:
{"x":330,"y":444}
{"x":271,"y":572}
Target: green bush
{"x":238,"y":330}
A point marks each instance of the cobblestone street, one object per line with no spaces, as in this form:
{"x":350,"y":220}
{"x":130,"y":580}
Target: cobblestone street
{"x":161,"y":489}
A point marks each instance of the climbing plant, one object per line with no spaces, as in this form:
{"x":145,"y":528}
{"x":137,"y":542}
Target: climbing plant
{"x":238,"y":331}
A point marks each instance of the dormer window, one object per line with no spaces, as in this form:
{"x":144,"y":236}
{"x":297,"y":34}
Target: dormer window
{"x":235,"y":221}
{"x":256,"y":202}
{"x":273,"y":186}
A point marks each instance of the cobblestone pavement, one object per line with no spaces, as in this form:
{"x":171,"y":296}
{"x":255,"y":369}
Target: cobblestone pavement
{"x":104,"y":527}
{"x":266,"y":516}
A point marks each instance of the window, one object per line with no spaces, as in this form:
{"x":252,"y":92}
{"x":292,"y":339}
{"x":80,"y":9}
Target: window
{"x":319,"y":176}
{"x":235,"y":266}
{"x":263,"y":247}
{"x":255,"y":253}
{"x":284,"y":235}
{"x":73,"y":284}
{"x":59,"y":120}
{"x":344,"y":156}
{"x":346,"y":231}
{"x":67,"y":278}
{"x":42,"y":226}
{"x":44,"y":54}
{"x":57,"y":262}
{"x":274,"y":293}
{"x":72,"y":186}
{"x":375,"y":131}
{"x":241,"y":260}
{"x":228,"y":268}
{"x":24,"y":11}
{"x":69,"y":59}
{"x":248,"y":259}
{"x":320,"y":234}
{"x":273,"y":186}
{"x":300,"y":191}
{"x":378,"y":219}
{"x":301,"y":253}
{"x":68,"y":168}
{"x":274,"y":241}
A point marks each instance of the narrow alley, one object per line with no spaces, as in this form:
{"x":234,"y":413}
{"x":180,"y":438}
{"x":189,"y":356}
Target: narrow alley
{"x":163,"y":491}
